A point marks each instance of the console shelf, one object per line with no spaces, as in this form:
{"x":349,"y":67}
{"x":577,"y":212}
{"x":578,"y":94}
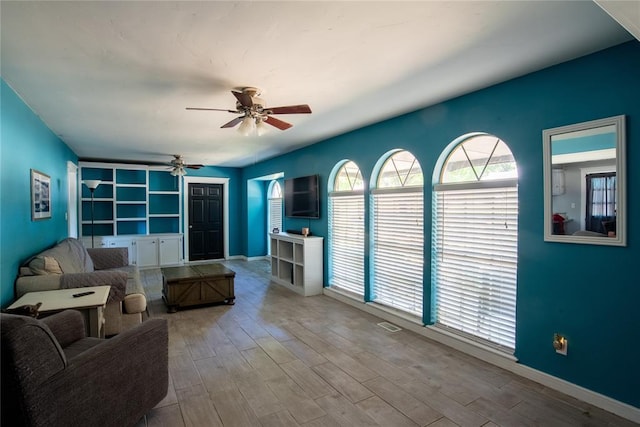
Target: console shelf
{"x":297,"y":262}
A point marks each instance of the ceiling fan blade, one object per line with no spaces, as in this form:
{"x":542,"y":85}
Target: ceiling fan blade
{"x":291,"y":109}
{"x":211,"y":109}
{"x":278,"y":123}
{"x":243,"y":98}
{"x":194,"y":166}
{"x":233,"y":122}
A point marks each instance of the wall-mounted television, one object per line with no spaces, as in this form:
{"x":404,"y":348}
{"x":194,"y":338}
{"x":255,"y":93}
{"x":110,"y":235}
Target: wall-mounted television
{"x":301,"y":197}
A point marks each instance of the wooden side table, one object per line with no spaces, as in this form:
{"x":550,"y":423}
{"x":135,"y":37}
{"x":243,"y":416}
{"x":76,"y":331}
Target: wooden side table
{"x":91,"y":306}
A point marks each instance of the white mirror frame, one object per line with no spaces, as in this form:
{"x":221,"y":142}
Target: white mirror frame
{"x":620,"y":238}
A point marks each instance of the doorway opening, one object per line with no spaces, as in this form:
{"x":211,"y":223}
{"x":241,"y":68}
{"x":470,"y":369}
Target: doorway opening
{"x":206,"y":218}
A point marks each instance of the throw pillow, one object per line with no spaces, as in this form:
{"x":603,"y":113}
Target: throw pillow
{"x":45,"y":265}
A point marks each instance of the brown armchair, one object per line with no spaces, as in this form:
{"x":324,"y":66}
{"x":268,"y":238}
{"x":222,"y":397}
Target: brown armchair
{"x":53,"y":375}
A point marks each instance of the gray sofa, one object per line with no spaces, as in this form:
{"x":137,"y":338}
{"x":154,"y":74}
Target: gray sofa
{"x":53,"y":375}
{"x":70,"y":265}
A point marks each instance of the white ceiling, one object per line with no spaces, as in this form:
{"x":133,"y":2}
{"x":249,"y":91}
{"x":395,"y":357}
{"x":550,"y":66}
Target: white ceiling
{"x":112,"y":79}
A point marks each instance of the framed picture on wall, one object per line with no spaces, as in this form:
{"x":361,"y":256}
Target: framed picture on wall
{"x":40,"y":195}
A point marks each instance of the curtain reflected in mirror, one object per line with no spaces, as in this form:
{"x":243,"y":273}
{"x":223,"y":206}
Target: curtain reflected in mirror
{"x":584,"y":182}
{"x":601,"y":203}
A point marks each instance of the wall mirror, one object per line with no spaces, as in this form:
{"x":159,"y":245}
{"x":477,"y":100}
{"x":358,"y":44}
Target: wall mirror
{"x":585,"y":183}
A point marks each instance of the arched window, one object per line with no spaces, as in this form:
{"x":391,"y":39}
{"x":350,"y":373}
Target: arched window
{"x":274,"y":219}
{"x":346,"y":231}
{"x":398,"y":227}
{"x":475,"y":241}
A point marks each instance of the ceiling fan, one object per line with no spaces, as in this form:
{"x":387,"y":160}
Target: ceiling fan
{"x":254,"y":114}
{"x":178,"y":166}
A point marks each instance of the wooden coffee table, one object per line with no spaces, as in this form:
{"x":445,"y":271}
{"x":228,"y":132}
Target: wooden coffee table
{"x":198,"y":284}
{"x":91,"y":306}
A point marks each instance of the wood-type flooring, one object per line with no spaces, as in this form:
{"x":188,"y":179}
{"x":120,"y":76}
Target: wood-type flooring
{"x":277,"y":359}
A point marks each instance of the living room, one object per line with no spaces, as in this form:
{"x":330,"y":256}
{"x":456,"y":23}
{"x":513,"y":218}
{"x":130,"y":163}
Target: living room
{"x":587,"y":292}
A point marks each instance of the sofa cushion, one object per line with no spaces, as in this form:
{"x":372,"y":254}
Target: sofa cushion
{"x":107,"y":258}
{"x":74,"y":349}
{"x":116,"y":279}
{"x":43,"y":264}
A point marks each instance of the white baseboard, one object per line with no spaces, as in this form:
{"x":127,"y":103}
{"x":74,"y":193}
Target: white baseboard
{"x":494,"y":357}
{"x":251,"y":258}
{"x":229,"y":258}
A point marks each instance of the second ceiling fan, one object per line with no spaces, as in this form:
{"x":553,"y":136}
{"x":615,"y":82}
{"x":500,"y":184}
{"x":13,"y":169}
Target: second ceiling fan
{"x":179,"y":166}
{"x":254,"y":113}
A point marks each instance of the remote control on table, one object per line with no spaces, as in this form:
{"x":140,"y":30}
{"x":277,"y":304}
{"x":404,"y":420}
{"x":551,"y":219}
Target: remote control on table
{"x":82,"y":294}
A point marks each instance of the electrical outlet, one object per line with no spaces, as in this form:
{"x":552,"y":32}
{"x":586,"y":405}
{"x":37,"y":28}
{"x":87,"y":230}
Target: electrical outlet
{"x":560,"y":343}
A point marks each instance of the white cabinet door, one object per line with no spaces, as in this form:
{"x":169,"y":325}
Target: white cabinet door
{"x":147,"y":252}
{"x":98,"y":241}
{"x":170,"y":250}
{"x":123,"y":242}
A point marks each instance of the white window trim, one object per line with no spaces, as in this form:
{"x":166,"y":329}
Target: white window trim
{"x":73,"y":207}
{"x":273,"y":184}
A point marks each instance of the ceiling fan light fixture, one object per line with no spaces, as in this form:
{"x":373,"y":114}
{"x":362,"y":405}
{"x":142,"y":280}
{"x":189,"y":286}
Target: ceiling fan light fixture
{"x":261,"y":126}
{"x":178,"y":171}
{"x":247,"y":126}
{"x":178,"y":167}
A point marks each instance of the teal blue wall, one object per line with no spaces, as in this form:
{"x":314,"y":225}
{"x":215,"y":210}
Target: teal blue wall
{"x":256,"y":221}
{"x":581,"y":144}
{"x":589,"y":293}
{"x":27,"y":143}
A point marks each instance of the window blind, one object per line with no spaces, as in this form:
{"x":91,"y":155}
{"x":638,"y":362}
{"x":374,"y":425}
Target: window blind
{"x":398,"y":248}
{"x":475,"y":262}
{"x":275,"y":214}
{"x":346,"y":234}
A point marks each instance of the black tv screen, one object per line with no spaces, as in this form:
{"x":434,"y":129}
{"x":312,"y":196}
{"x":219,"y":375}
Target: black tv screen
{"x":301,"y":197}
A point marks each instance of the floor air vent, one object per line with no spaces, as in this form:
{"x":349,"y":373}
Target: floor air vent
{"x":389,"y":327}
